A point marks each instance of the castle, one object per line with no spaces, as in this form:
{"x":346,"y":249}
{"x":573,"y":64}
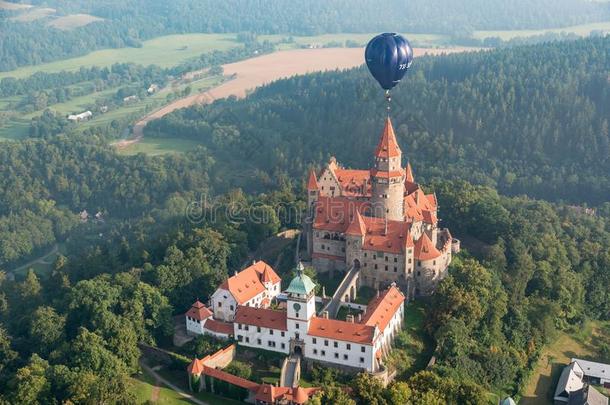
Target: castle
{"x":379,"y":221}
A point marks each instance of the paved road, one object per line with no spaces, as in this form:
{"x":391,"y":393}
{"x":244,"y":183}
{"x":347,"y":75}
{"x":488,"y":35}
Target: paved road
{"x":172,"y":386}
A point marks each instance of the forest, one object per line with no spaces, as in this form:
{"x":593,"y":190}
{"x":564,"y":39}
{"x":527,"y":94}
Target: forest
{"x":128,"y":23}
{"x":527,"y":120}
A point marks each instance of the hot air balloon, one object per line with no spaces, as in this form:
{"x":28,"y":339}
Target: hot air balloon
{"x":388,"y":56}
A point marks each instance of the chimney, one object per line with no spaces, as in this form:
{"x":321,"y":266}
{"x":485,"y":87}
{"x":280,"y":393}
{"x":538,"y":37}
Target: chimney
{"x":254,"y":262}
{"x":360,"y":317}
{"x":350,"y":318}
{"x":235,"y":273}
{"x":325,"y":314}
{"x":323,"y":292}
{"x":377,"y":293}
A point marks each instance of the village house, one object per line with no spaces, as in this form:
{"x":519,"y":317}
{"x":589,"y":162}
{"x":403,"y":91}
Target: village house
{"x":84,"y":116}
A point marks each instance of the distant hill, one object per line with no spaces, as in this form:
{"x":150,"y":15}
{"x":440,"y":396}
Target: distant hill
{"x":530,"y":120}
{"x":128,"y":22}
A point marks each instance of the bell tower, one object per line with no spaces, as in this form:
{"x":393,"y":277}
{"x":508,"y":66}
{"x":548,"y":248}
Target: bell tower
{"x":387,"y":177}
{"x":301,"y":303}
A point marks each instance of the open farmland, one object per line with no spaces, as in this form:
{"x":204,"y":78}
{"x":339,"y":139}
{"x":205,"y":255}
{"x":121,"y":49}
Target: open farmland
{"x":255,"y":72}
{"x":72,"y":21}
{"x":166,"y":51}
{"x":33,"y":14}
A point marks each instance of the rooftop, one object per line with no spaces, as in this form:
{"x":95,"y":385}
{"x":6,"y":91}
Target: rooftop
{"x":265,"y":318}
{"x":341,"y":330}
{"x":248,"y":283}
{"x":381,"y":309}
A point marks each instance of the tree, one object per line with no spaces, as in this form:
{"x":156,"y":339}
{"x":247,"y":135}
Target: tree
{"x":46,"y":329}
{"x":368,"y":390}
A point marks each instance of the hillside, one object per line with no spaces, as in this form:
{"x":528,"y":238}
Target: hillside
{"x":89,"y":25}
{"x":528,"y":120}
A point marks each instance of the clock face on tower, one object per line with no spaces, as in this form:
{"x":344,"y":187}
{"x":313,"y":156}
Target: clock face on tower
{"x":297,"y":306}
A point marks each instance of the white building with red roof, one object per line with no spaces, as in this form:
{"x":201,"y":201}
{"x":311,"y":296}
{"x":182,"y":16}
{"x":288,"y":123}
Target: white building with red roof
{"x":359,"y":344}
{"x":255,"y":286}
{"x":379,"y":220}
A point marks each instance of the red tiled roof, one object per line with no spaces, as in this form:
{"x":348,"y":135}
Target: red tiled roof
{"x":341,"y":330}
{"x":196,"y":367}
{"x":409,"y":174}
{"x":425,"y":249}
{"x":387,"y":147}
{"x":429,"y":217}
{"x":198,"y":311}
{"x":356,"y":226}
{"x":381,"y":309}
{"x":230,"y":378}
{"x":247,"y":284}
{"x":265,"y":302}
{"x":354,"y":183}
{"x":265,"y":318}
{"x":393,"y":241}
{"x":215,"y":326}
{"x":333,"y":214}
{"x":386,"y":175}
{"x":269,"y":393}
{"x":312,"y":183}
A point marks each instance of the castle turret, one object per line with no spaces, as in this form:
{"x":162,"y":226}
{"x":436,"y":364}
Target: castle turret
{"x":312,"y":188}
{"x":388,"y":177}
{"x":301,"y":303}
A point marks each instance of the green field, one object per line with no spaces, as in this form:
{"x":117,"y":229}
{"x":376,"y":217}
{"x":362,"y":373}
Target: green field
{"x":165,"y":51}
{"x":160,"y":146}
{"x":584,"y":343}
{"x":582,"y":30}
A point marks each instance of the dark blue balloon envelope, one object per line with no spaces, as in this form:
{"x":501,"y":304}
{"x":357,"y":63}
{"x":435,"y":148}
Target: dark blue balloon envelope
{"x":388,"y":56}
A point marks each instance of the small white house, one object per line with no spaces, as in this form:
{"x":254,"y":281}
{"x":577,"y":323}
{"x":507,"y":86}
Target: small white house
{"x":130,"y":99}
{"x":254,"y":286}
{"x":84,"y":116}
{"x":152,"y":89}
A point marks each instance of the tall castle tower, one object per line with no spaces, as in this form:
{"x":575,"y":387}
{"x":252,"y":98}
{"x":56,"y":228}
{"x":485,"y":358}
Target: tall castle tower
{"x":387,"y":177}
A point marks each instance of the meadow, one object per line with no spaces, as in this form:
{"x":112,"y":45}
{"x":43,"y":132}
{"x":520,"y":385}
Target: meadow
{"x":581,"y":30}
{"x":584,"y":343}
{"x":165,"y":51}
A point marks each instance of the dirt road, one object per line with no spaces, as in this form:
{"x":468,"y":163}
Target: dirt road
{"x":255,"y":72}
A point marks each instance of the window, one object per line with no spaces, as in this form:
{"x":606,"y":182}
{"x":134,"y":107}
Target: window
{"x":246,"y":327}
{"x":271,"y":331}
{"x":410,"y":260}
{"x":386,"y":259}
{"x":240,"y":338}
{"x":315,"y":351}
{"x":419,"y":262}
{"x":335,"y":344}
{"x":349,"y":346}
{"x":323,"y":353}
{"x":375,"y":267}
{"x":386,"y":268}
{"x":345,"y":357}
{"x":419,"y":273}
{"x":258,"y":328}
{"x":395,"y":260}
{"x":323,"y":247}
{"x":374,"y":257}
{"x":296,"y":325}
{"x":433,"y":262}
{"x":314,"y":341}
{"x":296,"y":314}
{"x":336,"y":355}
{"x":232,"y":308}
{"x":258,"y":341}
{"x":325,"y":342}
{"x":219,"y":304}
{"x":239,"y":326}
{"x":362,"y":349}
{"x":283,"y":345}
{"x":282,"y":334}
{"x":395,"y":269}
{"x":361,"y":359}
{"x":247,"y":339}
{"x":365,"y":254}
{"x":271,"y":343}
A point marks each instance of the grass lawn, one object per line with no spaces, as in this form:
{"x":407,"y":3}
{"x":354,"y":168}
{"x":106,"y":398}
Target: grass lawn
{"x":165,"y":51}
{"x":583,"y":343}
{"x":14,"y":130}
{"x":179,"y":379}
{"x":160,"y":146}
{"x":582,"y":30}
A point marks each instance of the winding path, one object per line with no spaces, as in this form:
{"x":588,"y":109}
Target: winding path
{"x":182,"y":393}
